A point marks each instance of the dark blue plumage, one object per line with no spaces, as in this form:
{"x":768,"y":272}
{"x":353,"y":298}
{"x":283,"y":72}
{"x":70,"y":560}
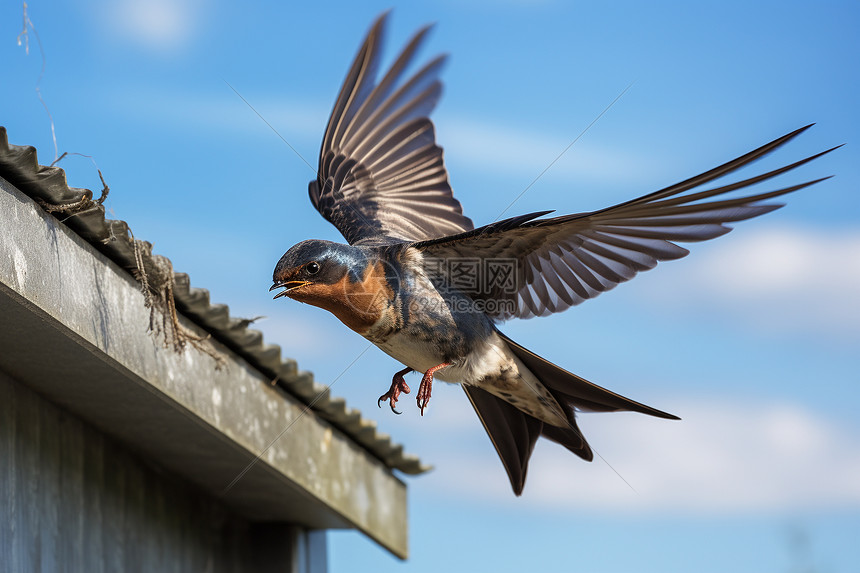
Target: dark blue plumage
{"x":421,"y":283}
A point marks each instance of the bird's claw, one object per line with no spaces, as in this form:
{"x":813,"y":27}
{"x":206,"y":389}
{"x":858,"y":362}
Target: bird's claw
{"x":398,"y":385}
{"x":426,"y":387}
{"x":424,"y":391}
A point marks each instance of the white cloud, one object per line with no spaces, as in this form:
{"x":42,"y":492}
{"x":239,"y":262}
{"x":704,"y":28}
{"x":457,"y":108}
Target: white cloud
{"x":723,"y":458}
{"x":772,"y":278}
{"x":157,"y":25}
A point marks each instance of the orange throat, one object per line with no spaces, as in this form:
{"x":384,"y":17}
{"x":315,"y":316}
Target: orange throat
{"x":357,"y":304}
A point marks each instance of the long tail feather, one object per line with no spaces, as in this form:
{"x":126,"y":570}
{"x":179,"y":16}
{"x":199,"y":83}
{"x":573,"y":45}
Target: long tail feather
{"x":576,"y":392}
{"x":512,"y":432}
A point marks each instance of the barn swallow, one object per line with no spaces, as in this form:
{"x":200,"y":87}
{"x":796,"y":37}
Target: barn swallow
{"x":419,"y":281}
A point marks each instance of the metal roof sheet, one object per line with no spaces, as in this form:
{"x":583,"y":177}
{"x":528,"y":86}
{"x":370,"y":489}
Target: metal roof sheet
{"x":47,"y":184}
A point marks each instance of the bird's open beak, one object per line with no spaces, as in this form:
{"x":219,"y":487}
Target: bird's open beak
{"x":288,"y":286}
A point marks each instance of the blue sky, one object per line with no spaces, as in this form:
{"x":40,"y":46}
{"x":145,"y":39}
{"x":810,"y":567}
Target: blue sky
{"x":752,"y":339}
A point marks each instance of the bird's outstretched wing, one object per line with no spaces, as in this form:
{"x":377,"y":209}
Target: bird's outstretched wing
{"x":562,"y":261}
{"x":381,"y":176}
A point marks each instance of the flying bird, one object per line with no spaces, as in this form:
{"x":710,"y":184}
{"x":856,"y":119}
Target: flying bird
{"x":419,"y":281}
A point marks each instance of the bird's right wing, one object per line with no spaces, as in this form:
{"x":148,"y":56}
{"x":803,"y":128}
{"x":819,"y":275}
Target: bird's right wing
{"x":535,"y":267}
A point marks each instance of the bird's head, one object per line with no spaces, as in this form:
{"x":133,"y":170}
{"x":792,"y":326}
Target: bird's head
{"x":342,"y":279}
{"x":311,"y":265}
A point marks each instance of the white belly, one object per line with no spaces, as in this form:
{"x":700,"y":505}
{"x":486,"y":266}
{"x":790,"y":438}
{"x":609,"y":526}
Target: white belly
{"x":484,"y":361}
{"x":491,"y":367}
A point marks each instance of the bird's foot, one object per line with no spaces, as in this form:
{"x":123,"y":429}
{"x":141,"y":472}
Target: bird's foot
{"x":398,"y":385}
{"x":426,"y":387}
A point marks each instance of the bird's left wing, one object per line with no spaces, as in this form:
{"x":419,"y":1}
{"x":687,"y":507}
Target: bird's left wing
{"x":536,"y":267}
{"x":381,"y":176}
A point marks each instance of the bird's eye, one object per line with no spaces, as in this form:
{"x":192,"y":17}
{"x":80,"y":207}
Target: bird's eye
{"x":312,"y":268}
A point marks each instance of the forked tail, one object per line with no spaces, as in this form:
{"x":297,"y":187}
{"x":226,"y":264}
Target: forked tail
{"x":514,"y":433}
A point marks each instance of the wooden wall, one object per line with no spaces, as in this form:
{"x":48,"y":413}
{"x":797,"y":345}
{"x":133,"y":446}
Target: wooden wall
{"x":72,"y":499}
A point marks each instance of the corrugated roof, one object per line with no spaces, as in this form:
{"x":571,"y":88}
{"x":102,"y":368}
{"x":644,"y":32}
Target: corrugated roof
{"x":47,"y":184}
